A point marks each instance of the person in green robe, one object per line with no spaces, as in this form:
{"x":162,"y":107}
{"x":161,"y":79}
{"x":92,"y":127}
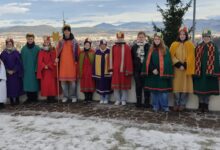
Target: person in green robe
{"x":29,"y":55}
{"x":207,"y":71}
{"x":158,"y":73}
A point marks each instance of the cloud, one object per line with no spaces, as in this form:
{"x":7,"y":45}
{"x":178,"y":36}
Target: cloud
{"x":14,"y":8}
{"x":77,"y":1}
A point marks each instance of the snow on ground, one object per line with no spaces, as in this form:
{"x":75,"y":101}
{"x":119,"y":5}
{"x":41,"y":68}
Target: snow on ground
{"x":60,"y":131}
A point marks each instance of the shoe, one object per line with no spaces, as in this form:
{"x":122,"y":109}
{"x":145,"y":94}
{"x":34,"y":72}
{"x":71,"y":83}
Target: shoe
{"x":117,"y":103}
{"x":175,"y":108}
{"x":105,"y":102}
{"x":123,"y":103}
{"x":64,"y":100}
{"x":138,"y":105}
{"x":17,"y":101}
{"x":101,"y":102}
{"x":2,"y":105}
{"x":181,"y":108}
{"x":206,"y":108}
{"x":74,"y":100}
{"x":12,"y":102}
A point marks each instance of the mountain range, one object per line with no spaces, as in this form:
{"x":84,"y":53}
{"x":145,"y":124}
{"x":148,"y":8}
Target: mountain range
{"x":201,"y":24}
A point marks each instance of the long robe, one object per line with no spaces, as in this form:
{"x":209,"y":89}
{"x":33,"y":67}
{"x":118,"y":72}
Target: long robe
{"x":86,"y":60}
{"x":183,"y":52}
{"x":3,"y":78}
{"x":68,"y":51}
{"x":121,"y":65}
{"x":100,"y":73}
{"x":12,"y":61}
{"x":29,"y":60}
{"x":207,"y":84}
{"x":48,"y":77}
{"x":163,"y":63}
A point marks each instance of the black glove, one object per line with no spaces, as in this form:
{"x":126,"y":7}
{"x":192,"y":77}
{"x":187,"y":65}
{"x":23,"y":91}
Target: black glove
{"x":178,"y":64}
{"x":0,"y":80}
{"x":185,"y":65}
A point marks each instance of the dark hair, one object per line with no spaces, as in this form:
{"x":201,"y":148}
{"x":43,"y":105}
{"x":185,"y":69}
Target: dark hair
{"x":30,"y":35}
{"x":187,"y":37}
{"x":71,"y":36}
{"x":141,"y":33}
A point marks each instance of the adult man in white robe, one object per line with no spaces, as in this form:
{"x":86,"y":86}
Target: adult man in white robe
{"x":3,"y":90}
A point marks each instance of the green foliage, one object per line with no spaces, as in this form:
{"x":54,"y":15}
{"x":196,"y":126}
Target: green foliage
{"x":172,"y":19}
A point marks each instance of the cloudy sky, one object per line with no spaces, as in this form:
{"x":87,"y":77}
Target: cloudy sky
{"x":80,"y":13}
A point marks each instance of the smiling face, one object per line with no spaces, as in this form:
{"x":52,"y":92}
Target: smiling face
{"x":66,"y":33}
{"x":182,"y":36}
{"x":141,"y":38}
{"x":206,"y":39}
{"x":157,"y":40}
{"x":87,"y":46}
{"x":30,"y":40}
{"x":46,"y":43}
{"x":9,"y":45}
{"x":103,"y":46}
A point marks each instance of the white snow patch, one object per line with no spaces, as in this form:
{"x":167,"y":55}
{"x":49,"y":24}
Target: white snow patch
{"x":60,"y":131}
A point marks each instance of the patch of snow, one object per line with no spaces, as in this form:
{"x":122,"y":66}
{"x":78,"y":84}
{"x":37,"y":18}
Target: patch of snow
{"x":62,"y":131}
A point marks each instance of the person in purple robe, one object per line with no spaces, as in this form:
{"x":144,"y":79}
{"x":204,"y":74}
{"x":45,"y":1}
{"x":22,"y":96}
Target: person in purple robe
{"x":101,"y":74}
{"x":13,"y":65}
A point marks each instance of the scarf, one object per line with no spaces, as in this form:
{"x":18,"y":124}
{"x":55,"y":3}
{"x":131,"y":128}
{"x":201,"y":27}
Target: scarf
{"x":30,"y":46}
{"x":210,"y":61}
{"x":140,"y":51}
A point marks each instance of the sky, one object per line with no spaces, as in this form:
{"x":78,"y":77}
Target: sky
{"x":83,"y":13}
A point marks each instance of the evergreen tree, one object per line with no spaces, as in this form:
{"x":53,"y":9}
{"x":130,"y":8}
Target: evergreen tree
{"x":172,"y":19}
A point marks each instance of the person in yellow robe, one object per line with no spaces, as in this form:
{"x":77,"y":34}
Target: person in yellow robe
{"x":183,"y":58}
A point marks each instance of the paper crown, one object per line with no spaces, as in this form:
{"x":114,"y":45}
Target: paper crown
{"x":207,"y":32}
{"x":103,"y":42}
{"x":46,"y":38}
{"x":120,"y":35}
{"x":88,"y":40}
{"x":184,"y":29}
{"x":158,"y":34}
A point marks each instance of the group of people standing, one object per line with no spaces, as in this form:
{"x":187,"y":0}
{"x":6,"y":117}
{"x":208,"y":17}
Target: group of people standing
{"x":158,"y":70}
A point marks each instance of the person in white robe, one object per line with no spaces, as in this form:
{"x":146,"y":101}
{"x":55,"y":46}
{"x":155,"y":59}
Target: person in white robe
{"x":3,"y":88}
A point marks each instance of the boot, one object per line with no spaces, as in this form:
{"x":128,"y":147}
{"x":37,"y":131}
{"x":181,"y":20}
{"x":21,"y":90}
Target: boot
{"x":17,"y":101}
{"x":12,"y":101}
{"x":90,"y":94}
{"x":175,"y":108}
{"x":86,"y":100}
{"x":138,"y":104}
{"x":2,"y":105}
{"x":206,"y":108}
{"x":147,"y":103}
{"x":201,"y":107}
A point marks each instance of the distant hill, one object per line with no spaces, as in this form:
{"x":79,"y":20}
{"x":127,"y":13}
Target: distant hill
{"x":212,"y":24}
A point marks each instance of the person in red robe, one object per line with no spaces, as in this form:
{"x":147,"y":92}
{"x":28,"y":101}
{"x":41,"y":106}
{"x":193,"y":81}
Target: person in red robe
{"x":47,"y":70}
{"x":122,"y":69}
{"x":86,"y":60}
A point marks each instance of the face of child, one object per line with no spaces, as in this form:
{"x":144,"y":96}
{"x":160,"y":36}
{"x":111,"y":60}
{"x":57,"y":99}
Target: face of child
{"x":156,"y":40}
{"x":141,"y":38}
{"x":87,"y":46}
{"x":30,"y":40}
{"x":9,"y":45}
{"x":206,"y":39}
{"x":46,"y":43}
{"x":103,"y":46}
{"x":67,"y":33}
{"x":182,"y":35}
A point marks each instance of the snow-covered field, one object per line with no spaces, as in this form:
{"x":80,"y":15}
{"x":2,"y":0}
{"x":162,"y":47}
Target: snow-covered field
{"x":59,"y":131}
